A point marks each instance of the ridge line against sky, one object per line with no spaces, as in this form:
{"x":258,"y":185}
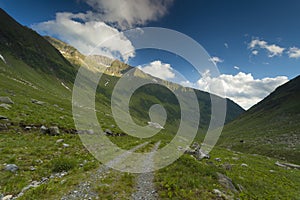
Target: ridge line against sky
{"x":256,"y":48}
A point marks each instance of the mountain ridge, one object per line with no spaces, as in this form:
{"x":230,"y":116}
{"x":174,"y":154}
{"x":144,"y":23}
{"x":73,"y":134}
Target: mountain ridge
{"x":270,"y":127}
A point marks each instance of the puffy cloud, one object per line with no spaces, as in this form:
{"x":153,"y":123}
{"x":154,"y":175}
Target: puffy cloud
{"x":294,"y":52}
{"x":273,"y":50}
{"x":216,"y":60}
{"x":159,"y":69}
{"x":241,"y":88}
{"x":86,"y":36}
{"x":129,"y":13}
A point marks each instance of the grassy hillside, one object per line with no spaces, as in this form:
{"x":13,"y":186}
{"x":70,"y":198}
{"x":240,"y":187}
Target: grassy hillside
{"x":26,"y":45}
{"x":147,"y":95}
{"x":271,"y":127}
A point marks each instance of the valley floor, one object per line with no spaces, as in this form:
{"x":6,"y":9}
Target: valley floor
{"x":59,"y":171}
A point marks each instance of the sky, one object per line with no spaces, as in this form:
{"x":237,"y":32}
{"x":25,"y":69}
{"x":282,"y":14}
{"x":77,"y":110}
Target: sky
{"x":254,"y":43}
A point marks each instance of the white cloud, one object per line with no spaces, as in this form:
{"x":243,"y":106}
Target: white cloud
{"x":159,"y":69}
{"x":226,"y":45}
{"x":216,"y":60}
{"x":129,"y":13}
{"x":255,"y":52}
{"x":273,"y":50}
{"x":86,"y":36}
{"x":241,"y":88}
{"x":236,"y":67}
{"x":294,"y":52}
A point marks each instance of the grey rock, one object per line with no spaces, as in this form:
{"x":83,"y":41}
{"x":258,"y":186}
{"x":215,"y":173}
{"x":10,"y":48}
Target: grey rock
{"x":196,"y":151}
{"x":217,"y":192}
{"x":5,"y":106}
{"x":7,"y":197}
{"x":54,"y":130}
{"x":287,"y":165}
{"x":3,"y":117}
{"x":195,"y":145}
{"x":41,"y":103}
{"x":6,"y":100}
{"x":90,"y":132}
{"x":226,"y":182}
{"x":27,"y":128}
{"x":60,"y":140}
{"x":200,"y":154}
{"x":3,"y":127}
{"x":32,"y":168}
{"x":11,"y":167}
{"x":244,"y":165}
{"x":108,"y":132}
{"x":44,"y":129}
{"x":218,"y":159}
{"x":65,"y":145}
{"x":227,"y":166}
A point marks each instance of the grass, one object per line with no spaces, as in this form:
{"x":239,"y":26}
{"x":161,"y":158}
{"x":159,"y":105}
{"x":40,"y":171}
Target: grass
{"x":191,"y":179}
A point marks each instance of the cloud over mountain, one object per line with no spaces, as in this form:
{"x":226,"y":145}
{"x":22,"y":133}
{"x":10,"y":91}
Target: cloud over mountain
{"x":241,"y":88}
{"x":159,"y":69}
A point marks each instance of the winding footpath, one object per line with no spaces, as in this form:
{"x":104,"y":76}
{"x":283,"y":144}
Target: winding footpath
{"x":145,"y":189}
{"x":84,"y":189}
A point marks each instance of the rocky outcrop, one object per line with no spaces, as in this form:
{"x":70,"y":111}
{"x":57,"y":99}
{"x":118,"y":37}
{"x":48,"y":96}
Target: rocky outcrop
{"x":196,"y":151}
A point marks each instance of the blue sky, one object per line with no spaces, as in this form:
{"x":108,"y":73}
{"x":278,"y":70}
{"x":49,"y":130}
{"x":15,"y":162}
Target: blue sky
{"x":255,"y":43}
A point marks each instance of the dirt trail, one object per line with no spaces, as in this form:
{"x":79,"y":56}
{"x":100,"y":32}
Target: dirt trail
{"x":145,"y":188}
{"x":84,"y":189}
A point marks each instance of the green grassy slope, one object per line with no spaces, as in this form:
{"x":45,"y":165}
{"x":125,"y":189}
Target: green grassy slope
{"x":26,"y":45}
{"x":271,"y":127}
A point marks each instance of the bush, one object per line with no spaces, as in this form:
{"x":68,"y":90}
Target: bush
{"x":63,"y":164}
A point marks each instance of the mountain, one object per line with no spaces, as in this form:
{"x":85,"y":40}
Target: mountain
{"x":26,"y":45}
{"x":118,"y":69}
{"x":271,"y":127}
{"x":50,"y":65}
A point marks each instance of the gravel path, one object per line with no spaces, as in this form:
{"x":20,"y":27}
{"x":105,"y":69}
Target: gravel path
{"x":84,"y":190}
{"x":145,"y":188}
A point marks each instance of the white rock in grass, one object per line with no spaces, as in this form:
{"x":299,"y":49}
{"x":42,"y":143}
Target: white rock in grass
{"x":11,"y":167}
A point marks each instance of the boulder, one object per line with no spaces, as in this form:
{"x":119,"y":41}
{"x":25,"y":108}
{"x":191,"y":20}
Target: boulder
{"x":11,"y":167}
{"x":3,"y":117}
{"x":196,"y":151}
{"x":226,"y":182}
{"x":27,"y":128}
{"x":200,"y":155}
{"x":65,"y":145}
{"x":108,"y":132}
{"x":60,"y":140}
{"x":41,"y":103}
{"x":44,"y":130}
{"x":54,"y":130}
{"x":6,"y":100}
{"x":7,"y":197}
